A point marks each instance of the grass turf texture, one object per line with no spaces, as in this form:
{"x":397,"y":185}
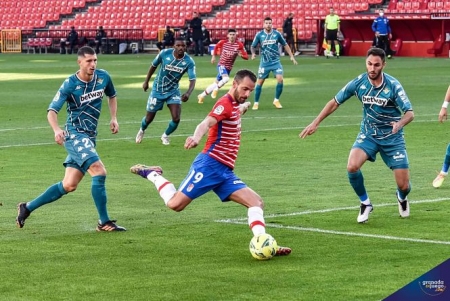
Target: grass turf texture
{"x":190,"y":255}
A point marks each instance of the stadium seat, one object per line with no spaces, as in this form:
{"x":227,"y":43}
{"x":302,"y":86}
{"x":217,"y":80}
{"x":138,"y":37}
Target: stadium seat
{"x":397,"y":47}
{"x":438,"y":46}
{"x":31,"y":44}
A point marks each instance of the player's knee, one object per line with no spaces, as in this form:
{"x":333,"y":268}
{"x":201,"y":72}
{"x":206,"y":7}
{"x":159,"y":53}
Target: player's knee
{"x":97,"y":169}
{"x":352,"y":167}
{"x":69,"y":187}
{"x":175,"y":206}
{"x":225,"y":79}
{"x":404,"y":185}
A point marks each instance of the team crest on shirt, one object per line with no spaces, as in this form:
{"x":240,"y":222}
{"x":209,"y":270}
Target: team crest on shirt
{"x":57,"y":95}
{"x":218,"y":110}
{"x":386,"y":90}
{"x":100,"y":81}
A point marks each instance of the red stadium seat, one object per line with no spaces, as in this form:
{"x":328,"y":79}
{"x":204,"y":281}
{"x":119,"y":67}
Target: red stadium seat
{"x":32,"y":44}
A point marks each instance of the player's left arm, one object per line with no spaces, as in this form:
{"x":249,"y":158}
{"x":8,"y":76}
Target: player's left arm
{"x":192,"y":81}
{"x":242,"y":51}
{"x":403,"y":102}
{"x":243,"y":107}
{"x":113,"y":124}
{"x":200,"y":131}
{"x":186,"y":95}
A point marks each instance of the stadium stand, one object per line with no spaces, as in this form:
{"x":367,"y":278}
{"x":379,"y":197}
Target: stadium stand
{"x":141,"y":20}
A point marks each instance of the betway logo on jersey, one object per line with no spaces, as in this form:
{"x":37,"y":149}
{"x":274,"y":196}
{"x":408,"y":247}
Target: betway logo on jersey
{"x":269,"y":42}
{"x":372,"y":100}
{"x":88,"y":97}
{"x":173,"y":68}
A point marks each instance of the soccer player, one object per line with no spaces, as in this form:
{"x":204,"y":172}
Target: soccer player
{"x":268,"y":40}
{"x":332,"y":27}
{"x":386,"y":110}
{"x":228,"y":50}
{"x":213,"y":167}
{"x":443,"y":114}
{"x":83,"y":93}
{"x":174,"y":63}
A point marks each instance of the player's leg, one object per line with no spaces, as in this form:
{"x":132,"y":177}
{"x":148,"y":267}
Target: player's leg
{"x":175,"y":112}
{"x":153,"y":105}
{"x":255,"y":212}
{"x":70,"y":182}
{"x":98,"y":190}
{"x":224,"y":78}
{"x":437,"y":182}
{"x":279,"y":88}
{"x":395,"y":157}
{"x":214,"y":87}
{"x":202,"y":177}
{"x":363,"y":149}
{"x":403,"y":188}
{"x":262,"y":75}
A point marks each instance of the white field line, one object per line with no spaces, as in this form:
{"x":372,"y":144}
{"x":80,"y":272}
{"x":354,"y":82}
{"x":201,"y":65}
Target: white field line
{"x":243,"y":221}
{"x":137,"y":123}
{"x":174,"y":135}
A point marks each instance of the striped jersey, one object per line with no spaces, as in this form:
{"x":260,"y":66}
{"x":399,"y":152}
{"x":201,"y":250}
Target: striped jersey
{"x":224,"y":138}
{"x":169,"y":74}
{"x":268,"y":43}
{"x":381,"y":105}
{"x":229,"y":52}
{"x":84,"y":100}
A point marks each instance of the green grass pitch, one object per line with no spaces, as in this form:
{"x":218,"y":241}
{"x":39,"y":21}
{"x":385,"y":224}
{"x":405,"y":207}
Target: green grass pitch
{"x":202,"y":253}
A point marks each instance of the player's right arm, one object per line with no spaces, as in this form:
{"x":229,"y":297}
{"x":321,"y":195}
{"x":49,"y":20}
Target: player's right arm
{"x":328,"y":109}
{"x":253,"y":46}
{"x":52,"y":118}
{"x":147,"y":79}
{"x":200,"y":131}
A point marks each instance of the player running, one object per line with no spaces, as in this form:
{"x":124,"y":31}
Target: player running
{"x":174,"y":63}
{"x":228,"y":50}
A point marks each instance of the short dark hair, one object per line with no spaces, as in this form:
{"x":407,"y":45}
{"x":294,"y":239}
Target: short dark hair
{"x":85,"y":50}
{"x":243,"y":73}
{"x":267,"y":19}
{"x":231,"y":30}
{"x":377,"y":52}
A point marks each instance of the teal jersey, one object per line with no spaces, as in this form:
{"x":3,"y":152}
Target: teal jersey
{"x":268,"y":43}
{"x":169,"y":75}
{"x":381,"y":105}
{"x":84,"y":101}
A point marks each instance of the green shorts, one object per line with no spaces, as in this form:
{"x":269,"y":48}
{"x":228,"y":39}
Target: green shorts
{"x":156,"y":103}
{"x":392,"y":151}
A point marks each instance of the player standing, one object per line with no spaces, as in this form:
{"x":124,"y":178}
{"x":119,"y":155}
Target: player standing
{"x":268,"y":40}
{"x":386,"y":111}
{"x":212,"y":169}
{"x":228,"y":50}
{"x":174,"y":63}
{"x":83,"y":93}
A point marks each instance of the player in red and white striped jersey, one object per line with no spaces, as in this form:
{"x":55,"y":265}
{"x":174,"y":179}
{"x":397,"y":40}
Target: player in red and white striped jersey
{"x":212,"y":169}
{"x":228,"y":51}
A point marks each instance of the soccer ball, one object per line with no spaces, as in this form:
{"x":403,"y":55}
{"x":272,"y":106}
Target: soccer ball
{"x":263,"y":246}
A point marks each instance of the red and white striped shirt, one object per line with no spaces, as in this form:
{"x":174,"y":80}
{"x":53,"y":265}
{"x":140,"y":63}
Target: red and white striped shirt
{"x":224,"y":138}
{"x":229,"y":52}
